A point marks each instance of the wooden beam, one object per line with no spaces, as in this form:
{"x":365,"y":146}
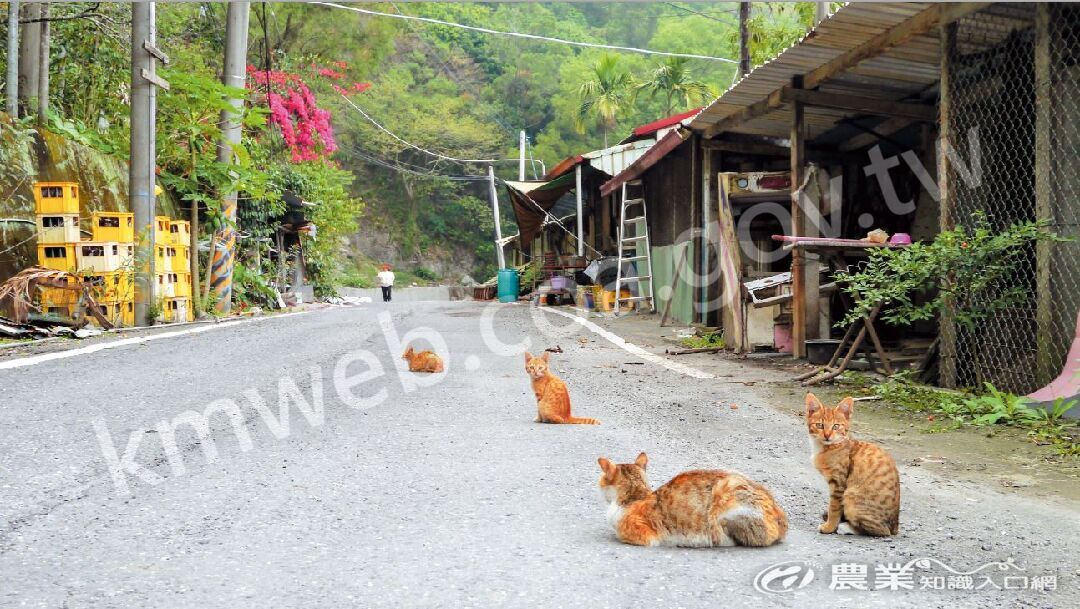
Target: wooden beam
{"x":749,"y":113}
{"x":866,"y":105}
{"x":917,"y":25}
{"x":947,"y":369}
{"x":798,"y":227}
{"x":763,"y":148}
{"x":885,"y":129}
{"x":921,"y":23}
{"x":1045,"y":364}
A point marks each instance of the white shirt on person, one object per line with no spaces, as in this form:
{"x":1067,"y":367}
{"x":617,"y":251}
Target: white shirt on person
{"x":386,"y":279}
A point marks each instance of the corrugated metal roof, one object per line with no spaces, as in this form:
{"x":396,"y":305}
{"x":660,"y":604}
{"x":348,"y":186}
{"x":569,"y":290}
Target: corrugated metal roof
{"x":616,"y":158}
{"x":896,"y":73}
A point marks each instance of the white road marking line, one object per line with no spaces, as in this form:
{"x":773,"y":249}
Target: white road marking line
{"x":629,"y":347}
{"x":34,"y":360}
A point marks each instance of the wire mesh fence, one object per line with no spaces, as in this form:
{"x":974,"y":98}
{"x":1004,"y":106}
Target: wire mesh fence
{"x":1013,"y":95}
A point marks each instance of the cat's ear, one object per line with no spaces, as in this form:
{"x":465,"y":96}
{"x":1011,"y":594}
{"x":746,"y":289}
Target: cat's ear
{"x":812,"y":404}
{"x":545,"y":356}
{"x":607,"y":466}
{"x":642,"y":460}
{"x":845,"y":406}
{"x":528,"y":357}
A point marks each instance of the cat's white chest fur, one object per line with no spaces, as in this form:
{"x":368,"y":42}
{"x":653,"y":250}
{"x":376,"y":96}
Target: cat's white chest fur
{"x":614,"y":514}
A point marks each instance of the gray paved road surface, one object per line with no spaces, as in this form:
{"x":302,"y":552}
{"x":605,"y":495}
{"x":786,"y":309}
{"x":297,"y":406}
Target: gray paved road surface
{"x":439,"y":496}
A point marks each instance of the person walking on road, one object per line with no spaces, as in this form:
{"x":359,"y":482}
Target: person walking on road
{"x":386,"y":282}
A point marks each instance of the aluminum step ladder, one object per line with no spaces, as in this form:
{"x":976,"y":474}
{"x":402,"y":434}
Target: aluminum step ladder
{"x":634,"y":247}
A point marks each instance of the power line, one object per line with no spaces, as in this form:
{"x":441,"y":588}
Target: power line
{"x":528,"y":36}
{"x":414,"y":146}
{"x":411,"y":169}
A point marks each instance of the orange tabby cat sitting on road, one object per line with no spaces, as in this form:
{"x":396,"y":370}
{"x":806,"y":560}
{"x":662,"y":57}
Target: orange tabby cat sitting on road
{"x":704,"y":508}
{"x":864,"y":486}
{"x":552,"y":396}
{"x":424,"y":361}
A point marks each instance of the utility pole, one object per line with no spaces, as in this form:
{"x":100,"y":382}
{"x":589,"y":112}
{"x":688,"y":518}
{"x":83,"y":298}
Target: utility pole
{"x":744,"y":39}
{"x":29,"y":46}
{"x":11,"y":86}
{"x":140,"y":177}
{"x":235,"y":75}
{"x":521,"y":155}
{"x":43,"y":66}
{"x":144,"y":84}
{"x":495,"y":210}
{"x":821,"y":13}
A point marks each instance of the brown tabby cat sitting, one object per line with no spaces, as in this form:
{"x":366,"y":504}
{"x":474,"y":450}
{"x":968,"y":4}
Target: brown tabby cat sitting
{"x":704,"y":508}
{"x":864,"y":485}
{"x":552,"y":396}
{"x":423,"y":361}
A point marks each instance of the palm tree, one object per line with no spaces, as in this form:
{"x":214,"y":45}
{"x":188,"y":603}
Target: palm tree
{"x":672,"y":79}
{"x":606,"y":96}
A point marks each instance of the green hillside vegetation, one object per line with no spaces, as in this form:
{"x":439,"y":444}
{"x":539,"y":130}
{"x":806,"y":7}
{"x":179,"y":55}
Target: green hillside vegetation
{"x":455,"y":92}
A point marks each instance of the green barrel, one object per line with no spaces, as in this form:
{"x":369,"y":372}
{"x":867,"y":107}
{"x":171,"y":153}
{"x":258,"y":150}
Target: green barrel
{"x":509,"y":285}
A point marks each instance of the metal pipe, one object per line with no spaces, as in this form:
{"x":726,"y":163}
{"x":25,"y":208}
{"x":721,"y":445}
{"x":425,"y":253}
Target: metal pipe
{"x":521,"y":155}
{"x":498,"y":223}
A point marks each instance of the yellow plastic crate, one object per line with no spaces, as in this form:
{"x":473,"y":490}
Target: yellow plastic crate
{"x":58,"y":297}
{"x":162,"y":231}
{"x":163,"y":261}
{"x":175,"y":310}
{"x":113,"y":226}
{"x":182,"y":285}
{"x":56,"y":197}
{"x":100,"y":256}
{"x":117,"y":285}
{"x":57,"y":256}
{"x":179,"y":261}
{"x":57,"y":228}
{"x":181,"y":232}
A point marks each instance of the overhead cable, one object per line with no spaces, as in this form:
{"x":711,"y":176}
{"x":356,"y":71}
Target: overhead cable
{"x":591,"y":45}
{"x":414,"y":146}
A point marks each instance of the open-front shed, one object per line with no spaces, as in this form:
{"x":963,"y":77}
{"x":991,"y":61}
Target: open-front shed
{"x":915,"y":117}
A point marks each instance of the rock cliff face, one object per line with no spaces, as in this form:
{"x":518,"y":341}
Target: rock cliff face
{"x":28,"y":156}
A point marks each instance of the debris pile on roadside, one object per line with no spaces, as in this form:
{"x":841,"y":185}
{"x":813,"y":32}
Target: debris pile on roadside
{"x":26,"y":319}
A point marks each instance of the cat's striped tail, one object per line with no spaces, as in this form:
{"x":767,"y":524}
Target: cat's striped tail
{"x":583,"y":421}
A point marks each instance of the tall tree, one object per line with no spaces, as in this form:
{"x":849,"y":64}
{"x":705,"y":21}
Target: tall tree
{"x":604,"y":97}
{"x":673,"y":79}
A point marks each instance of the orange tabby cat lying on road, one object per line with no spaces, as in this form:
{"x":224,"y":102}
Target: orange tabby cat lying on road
{"x":703,"y":508}
{"x":424,"y":361}
{"x":864,"y":486}
{"x":552,"y":396}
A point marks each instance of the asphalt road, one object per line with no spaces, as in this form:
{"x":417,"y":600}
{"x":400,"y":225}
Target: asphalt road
{"x":445,"y":495}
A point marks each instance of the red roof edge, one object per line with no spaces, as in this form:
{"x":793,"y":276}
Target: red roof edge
{"x":674,"y":119}
{"x":564,"y":166}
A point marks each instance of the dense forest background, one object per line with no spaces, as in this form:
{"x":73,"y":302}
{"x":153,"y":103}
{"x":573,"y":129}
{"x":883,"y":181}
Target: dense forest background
{"x":459,"y":93}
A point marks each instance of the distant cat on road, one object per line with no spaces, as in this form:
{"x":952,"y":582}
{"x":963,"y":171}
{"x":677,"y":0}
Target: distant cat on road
{"x":423,"y":361}
{"x":552,"y":396}
{"x":864,"y":485}
{"x":704,"y":508}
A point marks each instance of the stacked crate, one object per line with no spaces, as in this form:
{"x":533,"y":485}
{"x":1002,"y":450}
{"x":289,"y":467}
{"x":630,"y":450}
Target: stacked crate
{"x":107,"y":260}
{"x":57,"y":218}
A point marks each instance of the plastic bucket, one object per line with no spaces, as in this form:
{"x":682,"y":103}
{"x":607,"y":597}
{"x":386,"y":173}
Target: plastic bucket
{"x":509,"y":285}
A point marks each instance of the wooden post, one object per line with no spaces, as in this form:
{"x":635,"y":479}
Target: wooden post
{"x":947,"y":329}
{"x":580,"y":219}
{"x":1045,"y":366}
{"x":798,"y":228}
{"x":706,"y":219}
